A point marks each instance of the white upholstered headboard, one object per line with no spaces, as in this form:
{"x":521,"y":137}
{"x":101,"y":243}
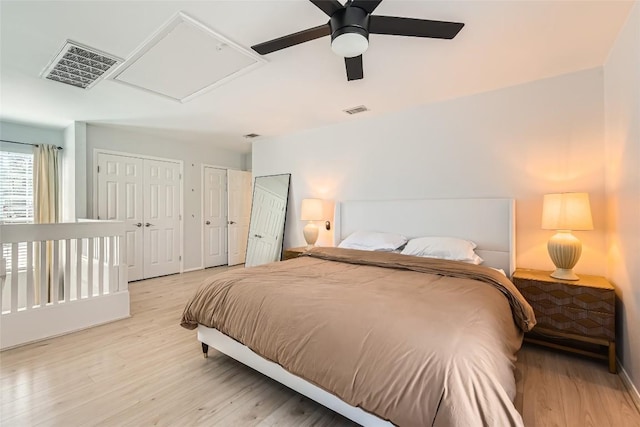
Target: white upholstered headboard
{"x":490,"y":223}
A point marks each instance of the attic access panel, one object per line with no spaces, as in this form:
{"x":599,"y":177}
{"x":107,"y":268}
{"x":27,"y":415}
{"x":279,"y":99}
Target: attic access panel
{"x":184,"y":59}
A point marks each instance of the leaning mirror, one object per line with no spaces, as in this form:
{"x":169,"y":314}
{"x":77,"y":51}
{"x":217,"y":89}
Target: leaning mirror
{"x":268,"y":215}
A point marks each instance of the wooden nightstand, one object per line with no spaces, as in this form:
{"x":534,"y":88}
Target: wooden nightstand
{"x":577,"y":316}
{"x":293,"y":252}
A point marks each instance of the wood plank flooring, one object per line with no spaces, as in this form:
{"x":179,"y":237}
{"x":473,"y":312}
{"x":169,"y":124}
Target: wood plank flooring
{"x":147,"y":370}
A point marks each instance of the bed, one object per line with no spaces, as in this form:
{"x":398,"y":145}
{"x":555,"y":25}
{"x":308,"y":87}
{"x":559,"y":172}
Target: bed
{"x":383,"y":338}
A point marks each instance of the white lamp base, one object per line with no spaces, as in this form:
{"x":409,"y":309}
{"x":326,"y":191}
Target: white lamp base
{"x":564,"y":250}
{"x":310,"y":232}
{"x":564,"y":274}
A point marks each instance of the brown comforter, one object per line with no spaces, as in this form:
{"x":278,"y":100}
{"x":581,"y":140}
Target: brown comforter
{"x":416,"y":341}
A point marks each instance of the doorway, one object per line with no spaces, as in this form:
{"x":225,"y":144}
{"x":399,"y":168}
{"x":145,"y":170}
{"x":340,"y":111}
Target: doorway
{"x":226,"y":209}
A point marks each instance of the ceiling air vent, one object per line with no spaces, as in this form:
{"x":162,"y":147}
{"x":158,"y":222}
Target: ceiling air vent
{"x":80,"y":66}
{"x":250,"y":135}
{"x":356,"y":110}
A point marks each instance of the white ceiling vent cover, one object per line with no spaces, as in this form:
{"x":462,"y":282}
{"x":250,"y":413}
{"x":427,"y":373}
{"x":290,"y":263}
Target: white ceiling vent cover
{"x":79,"y":65}
{"x":184,"y":59}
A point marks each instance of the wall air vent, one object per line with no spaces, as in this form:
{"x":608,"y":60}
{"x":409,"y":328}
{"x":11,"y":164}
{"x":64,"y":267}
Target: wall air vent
{"x":250,"y":135}
{"x":80,"y":66}
{"x":356,"y":110}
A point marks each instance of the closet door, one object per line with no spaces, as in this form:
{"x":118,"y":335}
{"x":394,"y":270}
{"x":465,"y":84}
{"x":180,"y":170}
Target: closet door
{"x":214,"y":216}
{"x":119,"y":196}
{"x":239,"y":194}
{"x":161,"y":218}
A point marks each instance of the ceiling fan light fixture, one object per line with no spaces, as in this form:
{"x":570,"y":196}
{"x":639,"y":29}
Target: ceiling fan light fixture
{"x":350,"y":44}
{"x":350,"y":24}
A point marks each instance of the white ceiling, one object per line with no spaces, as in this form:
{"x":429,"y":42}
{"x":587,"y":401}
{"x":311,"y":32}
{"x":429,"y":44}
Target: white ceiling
{"x":503,"y":43}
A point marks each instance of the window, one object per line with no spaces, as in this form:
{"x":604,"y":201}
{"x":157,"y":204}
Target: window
{"x":16,"y":196}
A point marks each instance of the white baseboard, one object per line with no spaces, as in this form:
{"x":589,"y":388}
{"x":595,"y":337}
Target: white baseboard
{"x":192,"y":269}
{"x":633,"y":391}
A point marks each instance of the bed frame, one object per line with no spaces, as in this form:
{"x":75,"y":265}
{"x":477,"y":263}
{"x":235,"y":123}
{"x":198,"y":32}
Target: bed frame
{"x":490,"y":223}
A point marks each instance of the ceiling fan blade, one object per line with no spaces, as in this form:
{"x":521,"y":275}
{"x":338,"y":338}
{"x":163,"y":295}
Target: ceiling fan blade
{"x":354,"y":68}
{"x":328,"y":6}
{"x":368,"y":5}
{"x":292,"y":39}
{"x":413,"y":27}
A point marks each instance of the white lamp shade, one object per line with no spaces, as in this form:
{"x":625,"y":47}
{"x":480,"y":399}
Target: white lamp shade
{"x":566,"y":211}
{"x":311,"y":210}
{"x":349,"y":45}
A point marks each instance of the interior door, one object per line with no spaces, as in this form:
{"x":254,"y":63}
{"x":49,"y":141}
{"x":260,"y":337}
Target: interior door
{"x":214,"y":216}
{"x":239,"y":195}
{"x":161,"y":218}
{"x":265,"y":232}
{"x":119,"y":196}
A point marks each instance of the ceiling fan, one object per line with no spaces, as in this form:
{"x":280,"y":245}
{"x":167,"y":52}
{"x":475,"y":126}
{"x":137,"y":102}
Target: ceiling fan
{"x":350,"y":26}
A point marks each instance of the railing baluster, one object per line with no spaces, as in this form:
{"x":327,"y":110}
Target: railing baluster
{"x":67,"y":270}
{"x":79,"y":268}
{"x":55,"y":279}
{"x":111,"y":269}
{"x":3,"y":276}
{"x":30,"y":288}
{"x":14,"y":277}
{"x":101,"y":267}
{"x":123,"y":267}
{"x":43,"y":274}
{"x":90,"y":260}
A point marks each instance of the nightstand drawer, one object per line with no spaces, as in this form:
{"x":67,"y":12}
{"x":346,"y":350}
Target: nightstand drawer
{"x":575,"y":321}
{"x":546,"y":294}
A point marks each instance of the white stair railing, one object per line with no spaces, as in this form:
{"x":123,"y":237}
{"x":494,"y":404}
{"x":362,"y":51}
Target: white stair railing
{"x":65,"y":264}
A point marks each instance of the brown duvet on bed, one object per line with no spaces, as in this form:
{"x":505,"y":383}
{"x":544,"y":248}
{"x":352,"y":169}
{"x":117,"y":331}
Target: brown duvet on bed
{"x":415,"y":341}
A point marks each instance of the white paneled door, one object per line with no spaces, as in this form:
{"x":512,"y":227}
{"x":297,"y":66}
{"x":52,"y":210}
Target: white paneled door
{"x":120,"y":198}
{"x":214,"y":216}
{"x":145,"y":194}
{"x":265,"y":233}
{"x":162,"y":218}
{"x":239,"y":196}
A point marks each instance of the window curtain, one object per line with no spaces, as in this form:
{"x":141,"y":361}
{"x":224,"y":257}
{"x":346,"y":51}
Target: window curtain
{"x":46,"y":207}
{"x":46,"y":184}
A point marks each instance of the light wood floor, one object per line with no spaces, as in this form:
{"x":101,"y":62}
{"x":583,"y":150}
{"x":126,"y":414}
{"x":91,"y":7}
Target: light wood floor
{"x":147,"y":370}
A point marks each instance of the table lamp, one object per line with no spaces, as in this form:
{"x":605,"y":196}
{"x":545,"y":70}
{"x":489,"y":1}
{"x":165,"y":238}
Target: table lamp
{"x":565,"y":212}
{"x":312,"y":210}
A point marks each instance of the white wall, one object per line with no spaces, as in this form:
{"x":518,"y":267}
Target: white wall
{"x":68,"y":192}
{"x":22,"y":132}
{"x":193,"y":155}
{"x":247,"y":161}
{"x":74,"y":172}
{"x":622,"y":118}
{"x":520,"y":142}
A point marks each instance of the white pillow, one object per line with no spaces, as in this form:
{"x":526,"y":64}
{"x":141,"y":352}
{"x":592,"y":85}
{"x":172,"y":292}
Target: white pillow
{"x":499,"y":270}
{"x":373,"y":241}
{"x":450,"y":248}
{"x":475,"y":259}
